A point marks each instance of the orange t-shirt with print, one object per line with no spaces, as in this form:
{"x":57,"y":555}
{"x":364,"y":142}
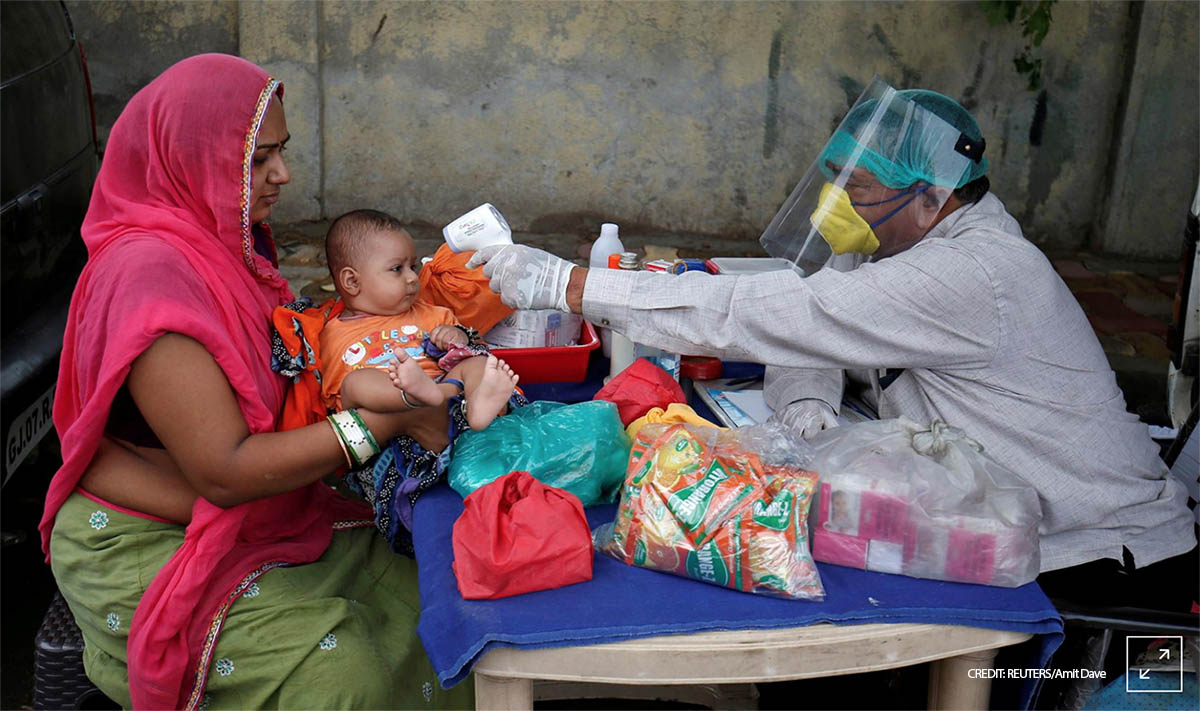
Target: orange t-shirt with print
{"x":369,"y":342}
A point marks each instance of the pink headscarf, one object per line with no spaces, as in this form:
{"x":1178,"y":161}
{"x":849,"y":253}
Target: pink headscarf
{"x":171,"y":250}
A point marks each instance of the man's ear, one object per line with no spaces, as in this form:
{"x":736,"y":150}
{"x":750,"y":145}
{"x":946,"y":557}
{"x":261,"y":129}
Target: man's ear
{"x":928,"y":206}
{"x":347,"y":279}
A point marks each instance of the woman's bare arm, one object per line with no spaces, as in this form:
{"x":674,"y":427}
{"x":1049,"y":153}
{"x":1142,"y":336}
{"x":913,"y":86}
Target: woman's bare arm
{"x":188,"y":402}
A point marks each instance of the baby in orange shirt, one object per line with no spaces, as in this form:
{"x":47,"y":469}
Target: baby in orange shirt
{"x":372,"y":354}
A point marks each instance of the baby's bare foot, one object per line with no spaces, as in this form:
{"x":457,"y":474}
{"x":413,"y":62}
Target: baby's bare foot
{"x":408,"y":377}
{"x":491,"y":394}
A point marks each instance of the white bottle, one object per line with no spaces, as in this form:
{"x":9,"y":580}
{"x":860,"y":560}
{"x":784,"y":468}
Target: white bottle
{"x":622,"y":347}
{"x":607,"y":243}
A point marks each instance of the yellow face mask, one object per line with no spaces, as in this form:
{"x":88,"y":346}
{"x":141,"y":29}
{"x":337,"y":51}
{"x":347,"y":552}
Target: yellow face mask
{"x":843,"y":228}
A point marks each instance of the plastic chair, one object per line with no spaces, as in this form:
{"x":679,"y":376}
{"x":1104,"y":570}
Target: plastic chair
{"x":59,"y":681}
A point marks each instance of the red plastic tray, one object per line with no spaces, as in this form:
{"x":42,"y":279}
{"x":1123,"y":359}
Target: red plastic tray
{"x":555,"y":364}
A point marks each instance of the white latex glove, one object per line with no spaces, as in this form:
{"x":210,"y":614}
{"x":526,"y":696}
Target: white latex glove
{"x":525,"y":277}
{"x":807,"y":417}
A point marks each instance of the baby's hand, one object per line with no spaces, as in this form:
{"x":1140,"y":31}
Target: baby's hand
{"x":446,"y":337}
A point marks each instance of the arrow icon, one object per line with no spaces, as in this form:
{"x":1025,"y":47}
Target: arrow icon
{"x":1142,"y":673}
{"x":1164,"y":654}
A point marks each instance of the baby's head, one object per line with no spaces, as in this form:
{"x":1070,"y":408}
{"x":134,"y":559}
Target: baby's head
{"x":372,"y":260}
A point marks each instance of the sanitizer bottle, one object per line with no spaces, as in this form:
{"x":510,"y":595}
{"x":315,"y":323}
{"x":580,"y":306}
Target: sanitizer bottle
{"x":606,"y":244}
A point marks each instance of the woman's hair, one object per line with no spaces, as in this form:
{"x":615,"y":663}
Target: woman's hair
{"x":346,"y":242}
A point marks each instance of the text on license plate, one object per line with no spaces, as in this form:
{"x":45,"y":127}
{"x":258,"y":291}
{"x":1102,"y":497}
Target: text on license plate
{"x":26,"y":431}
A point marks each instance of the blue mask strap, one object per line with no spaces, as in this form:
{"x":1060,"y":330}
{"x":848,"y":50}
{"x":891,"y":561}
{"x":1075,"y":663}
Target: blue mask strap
{"x":893,"y":198}
{"x":913,"y":193}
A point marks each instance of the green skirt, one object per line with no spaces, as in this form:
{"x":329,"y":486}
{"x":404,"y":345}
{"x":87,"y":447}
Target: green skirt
{"x":340,"y":632}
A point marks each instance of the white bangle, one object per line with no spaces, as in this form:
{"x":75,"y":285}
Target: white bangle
{"x":342,"y":444}
{"x":365,"y":430}
{"x":354,"y":435}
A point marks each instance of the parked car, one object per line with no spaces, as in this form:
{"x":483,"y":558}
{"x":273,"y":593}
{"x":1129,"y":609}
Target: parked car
{"x":50,"y":160}
{"x":1183,"y":338}
{"x":1184,"y":333}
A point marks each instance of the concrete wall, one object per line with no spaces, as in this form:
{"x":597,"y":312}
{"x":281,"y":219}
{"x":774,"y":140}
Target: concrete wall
{"x":684,"y":116}
{"x":1153,"y":166}
{"x":129,"y":43}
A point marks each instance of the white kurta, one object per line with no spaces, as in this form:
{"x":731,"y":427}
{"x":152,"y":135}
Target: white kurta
{"x":991,"y":341}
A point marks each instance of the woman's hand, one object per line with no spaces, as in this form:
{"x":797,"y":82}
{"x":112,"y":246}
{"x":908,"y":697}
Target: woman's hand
{"x":446,"y":337}
{"x":186,"y":399}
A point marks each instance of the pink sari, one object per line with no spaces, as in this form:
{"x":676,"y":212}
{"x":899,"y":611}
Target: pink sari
{"x":171,"y":250}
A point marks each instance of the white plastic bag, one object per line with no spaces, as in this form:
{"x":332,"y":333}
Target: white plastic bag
{"x":897,"y":496}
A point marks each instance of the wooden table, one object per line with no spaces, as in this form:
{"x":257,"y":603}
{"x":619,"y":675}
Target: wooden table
{"x":698,"y":665}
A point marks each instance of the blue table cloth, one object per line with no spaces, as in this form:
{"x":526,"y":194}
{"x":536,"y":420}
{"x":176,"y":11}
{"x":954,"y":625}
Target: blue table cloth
{"x":623,"y":602}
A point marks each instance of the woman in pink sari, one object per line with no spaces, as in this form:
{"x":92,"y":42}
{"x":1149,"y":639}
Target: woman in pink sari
{"x":201,"y":555}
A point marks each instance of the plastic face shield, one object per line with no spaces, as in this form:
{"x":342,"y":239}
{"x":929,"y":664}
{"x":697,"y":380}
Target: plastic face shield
{"x":903,"y":146}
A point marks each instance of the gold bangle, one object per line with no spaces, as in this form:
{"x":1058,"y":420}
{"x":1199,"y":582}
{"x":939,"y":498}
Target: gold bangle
{"x":338,"y":436}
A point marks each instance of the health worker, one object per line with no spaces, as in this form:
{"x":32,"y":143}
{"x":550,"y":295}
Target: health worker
{"x":908,"y":268}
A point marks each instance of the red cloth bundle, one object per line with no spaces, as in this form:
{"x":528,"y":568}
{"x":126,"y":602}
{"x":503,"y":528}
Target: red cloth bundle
{"x":640,"y":387}
{"x":518,"y":535}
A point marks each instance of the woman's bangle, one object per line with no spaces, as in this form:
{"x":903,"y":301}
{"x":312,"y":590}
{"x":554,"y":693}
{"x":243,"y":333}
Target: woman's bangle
{"x":341,"y":443}
{"x":355,"y":436}
{"x":362,"y":425}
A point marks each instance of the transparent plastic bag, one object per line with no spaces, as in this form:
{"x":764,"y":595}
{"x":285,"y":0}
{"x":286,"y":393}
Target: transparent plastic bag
{"x":726,"y":507}
{"x":580,"y":447}
{"x":897,"y":496}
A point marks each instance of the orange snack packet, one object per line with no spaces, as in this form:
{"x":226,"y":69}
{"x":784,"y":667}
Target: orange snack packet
{"x":700,"y":485}
{"x":700,"y":503}
{"x":779,"y":525}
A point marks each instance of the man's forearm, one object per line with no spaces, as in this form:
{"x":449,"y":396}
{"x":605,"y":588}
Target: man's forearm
{"x":575,"y":285}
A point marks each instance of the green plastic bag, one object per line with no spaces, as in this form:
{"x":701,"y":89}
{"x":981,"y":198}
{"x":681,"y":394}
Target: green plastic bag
{"x":581,"y":447}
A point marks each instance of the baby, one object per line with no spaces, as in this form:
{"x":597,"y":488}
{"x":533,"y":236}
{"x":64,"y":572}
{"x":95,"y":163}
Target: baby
{"x":386,"y":351}
{"x":374,"y":353}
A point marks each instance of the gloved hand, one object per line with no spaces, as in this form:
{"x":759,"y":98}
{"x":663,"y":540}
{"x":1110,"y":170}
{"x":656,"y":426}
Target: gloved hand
{"x":807,"y":417}
{"x":525,"y":277}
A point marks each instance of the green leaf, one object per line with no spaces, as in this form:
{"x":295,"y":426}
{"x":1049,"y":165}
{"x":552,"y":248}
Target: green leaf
{"x":1037,"y":27}
{"x":1037,"y":23}
{"x":998,"y":11}
{"x":1035,"y":18}
{"x":1024,"y":63}
{"x":1031,"y":67}
{"x":1035,"y":77}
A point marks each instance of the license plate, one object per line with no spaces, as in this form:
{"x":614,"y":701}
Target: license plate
{"x":26,"y":431}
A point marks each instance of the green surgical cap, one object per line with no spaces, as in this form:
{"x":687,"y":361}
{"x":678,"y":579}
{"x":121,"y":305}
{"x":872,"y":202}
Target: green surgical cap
{"x":913,"y":140}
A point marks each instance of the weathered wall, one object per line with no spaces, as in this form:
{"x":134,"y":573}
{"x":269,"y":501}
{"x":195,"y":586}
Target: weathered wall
{"x":1153,"y":165}
{"x":283,"y":38}
{"x":130,"y":43}
{"x":683,"y":116}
